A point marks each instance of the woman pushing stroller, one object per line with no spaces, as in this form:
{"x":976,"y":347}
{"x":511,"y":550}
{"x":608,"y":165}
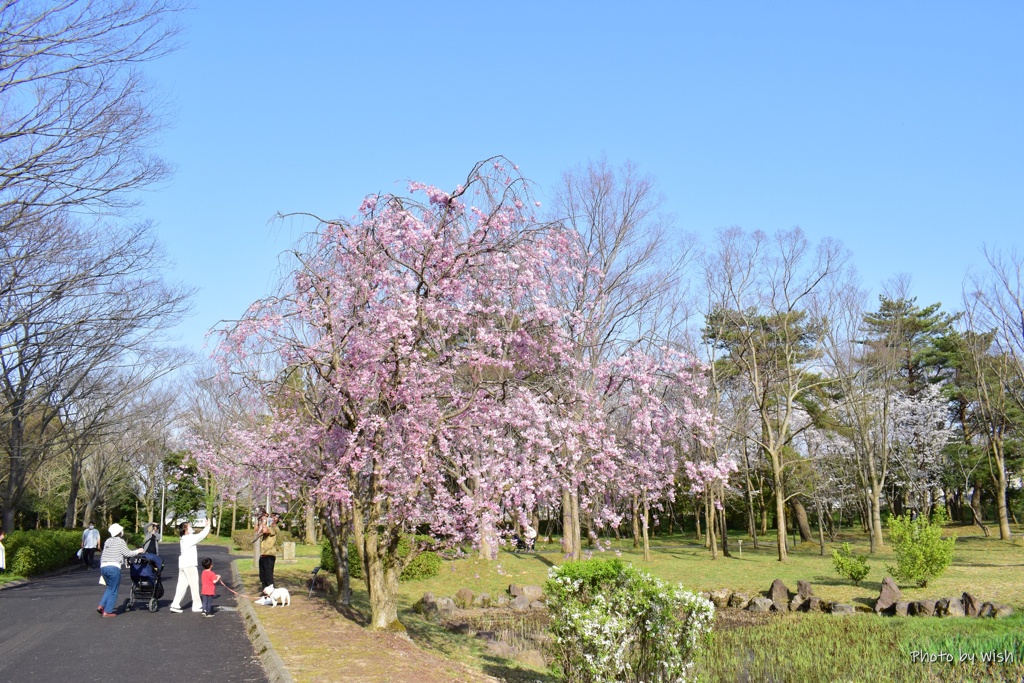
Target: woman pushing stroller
{"x":115,"y":550}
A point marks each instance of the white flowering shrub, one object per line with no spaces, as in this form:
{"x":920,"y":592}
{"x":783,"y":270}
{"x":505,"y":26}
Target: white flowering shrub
{"x":613,"y":622}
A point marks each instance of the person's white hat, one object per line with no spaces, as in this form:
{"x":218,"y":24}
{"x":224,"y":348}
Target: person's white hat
{"x":115,"y":529}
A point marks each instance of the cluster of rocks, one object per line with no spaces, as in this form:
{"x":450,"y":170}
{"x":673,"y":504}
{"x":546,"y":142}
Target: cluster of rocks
{"x":890,"y":602}
{"x":517,"y":597}
{"x":450,"y":612}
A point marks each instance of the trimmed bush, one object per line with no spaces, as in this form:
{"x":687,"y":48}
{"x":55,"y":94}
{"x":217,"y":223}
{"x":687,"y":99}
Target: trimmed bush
{"x":847,"y":564}
{"x":921,"y":552}
{"x":242,"y":539}
{"x":355,"y":570}
{"x":424,"y":566}
{"x":37,"y":552}
{"x":613,"y":622}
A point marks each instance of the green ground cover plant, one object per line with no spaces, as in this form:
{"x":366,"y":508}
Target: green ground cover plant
{"x":866,"y":647}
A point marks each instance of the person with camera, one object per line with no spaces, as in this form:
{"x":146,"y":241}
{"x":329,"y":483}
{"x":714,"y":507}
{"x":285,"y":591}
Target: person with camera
{"x":267,"y":535}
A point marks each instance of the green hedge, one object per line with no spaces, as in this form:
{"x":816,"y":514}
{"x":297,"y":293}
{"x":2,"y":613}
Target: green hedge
{"x":424,"y":566}
{"x":36,"y":552}
{"x":242,"y":539}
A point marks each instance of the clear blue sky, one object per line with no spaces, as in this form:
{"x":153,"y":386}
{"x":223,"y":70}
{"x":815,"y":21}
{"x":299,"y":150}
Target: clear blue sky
{"x":897,"y":128}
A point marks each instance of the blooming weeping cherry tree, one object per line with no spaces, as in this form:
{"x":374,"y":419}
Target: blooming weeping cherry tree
{"x":655,"y":409}
{"x":709,"y":480}
{"x":425,"y":332}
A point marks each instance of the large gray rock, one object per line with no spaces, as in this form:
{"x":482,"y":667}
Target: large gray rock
{"x":922,"y":608}
{"x":803,"y":589}
{"x":840,"y":608}
{"x":953,"y":608}
{"x":537,"y":604}
{"x":532,"y":592}
{"x":1002,"y":611}
{"x":986,"y":610}
{"x":901,"y":608}
{"x":501,"y":600}
{"x":760,"y":604}
{"x":888,"y":596}
{"x":779,"y":595}
{"x":520,"y":602}
{"x":971,"y":605}
{"x":720,"y":597}
{"x":482,"y":600}
{"x":428,"y":607}
{"x":739,"y":600}
{"x":445,"y":607}
{"x":815,"y":604}
{"x":464,"y":598}
{"x":798,"y":603}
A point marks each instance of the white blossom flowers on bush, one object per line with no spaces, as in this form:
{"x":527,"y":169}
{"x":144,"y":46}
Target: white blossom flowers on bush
{"x":613,"y":622}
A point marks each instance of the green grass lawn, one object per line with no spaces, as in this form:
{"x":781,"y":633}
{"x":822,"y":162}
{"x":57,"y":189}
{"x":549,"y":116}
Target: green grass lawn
{"x":990,"y":569}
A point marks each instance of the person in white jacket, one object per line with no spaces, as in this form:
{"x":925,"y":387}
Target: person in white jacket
{"x":188,"y":563}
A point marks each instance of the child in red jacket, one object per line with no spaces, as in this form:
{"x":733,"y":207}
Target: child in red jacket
{"x":208,"y":590}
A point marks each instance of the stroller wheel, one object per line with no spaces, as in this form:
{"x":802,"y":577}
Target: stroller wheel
{"x":153,"y":605}
{"x":129,"y":603}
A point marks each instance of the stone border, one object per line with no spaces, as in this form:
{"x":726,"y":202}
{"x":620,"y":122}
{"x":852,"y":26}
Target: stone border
{"x":15,"y":583}
{"x":272,"y":662}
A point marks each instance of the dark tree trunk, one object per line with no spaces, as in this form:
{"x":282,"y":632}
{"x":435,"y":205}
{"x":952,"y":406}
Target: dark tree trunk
{"x":800,"y":518}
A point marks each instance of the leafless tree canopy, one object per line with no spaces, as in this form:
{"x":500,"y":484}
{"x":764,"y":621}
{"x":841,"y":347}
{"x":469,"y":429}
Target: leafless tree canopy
{"x":83,"y":301}
{"x":76,"y":114}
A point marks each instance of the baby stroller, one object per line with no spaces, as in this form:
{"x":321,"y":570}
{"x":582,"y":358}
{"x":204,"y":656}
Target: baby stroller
{"x":145,"y":570}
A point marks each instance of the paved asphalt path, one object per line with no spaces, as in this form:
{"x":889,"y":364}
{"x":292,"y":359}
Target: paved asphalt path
{"x":50,"y":633}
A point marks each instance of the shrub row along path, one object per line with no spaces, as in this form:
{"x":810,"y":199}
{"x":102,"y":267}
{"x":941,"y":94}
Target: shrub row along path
{"x":50,"y":631}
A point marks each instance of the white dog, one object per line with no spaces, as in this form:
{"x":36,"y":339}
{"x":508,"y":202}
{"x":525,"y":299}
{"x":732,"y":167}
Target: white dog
{"x":277,"y":595}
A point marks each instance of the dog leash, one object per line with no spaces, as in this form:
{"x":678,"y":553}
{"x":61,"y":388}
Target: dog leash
{"x":241,"y":595}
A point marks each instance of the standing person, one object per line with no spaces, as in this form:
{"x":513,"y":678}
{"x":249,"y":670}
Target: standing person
{"x":268,"y":550}
{"x":531,"y":537}
{"x":3,"y":553}
{"x":209,"y":581}
{"x":90,"y":543}
{"x":151,"y":542}
{"x":188,"y":563}
{"x":114,"y":552}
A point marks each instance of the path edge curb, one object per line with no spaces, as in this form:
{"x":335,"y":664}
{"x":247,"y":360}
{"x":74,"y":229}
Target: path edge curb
{"x":272,"y":662}
{"x":66,"y":569}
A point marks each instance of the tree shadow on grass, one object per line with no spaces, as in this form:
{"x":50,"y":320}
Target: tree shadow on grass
{"x":500,"y":669}
{"x":537,"y":555}
{"x":870,"y":602}
{"x":352,"y":614}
